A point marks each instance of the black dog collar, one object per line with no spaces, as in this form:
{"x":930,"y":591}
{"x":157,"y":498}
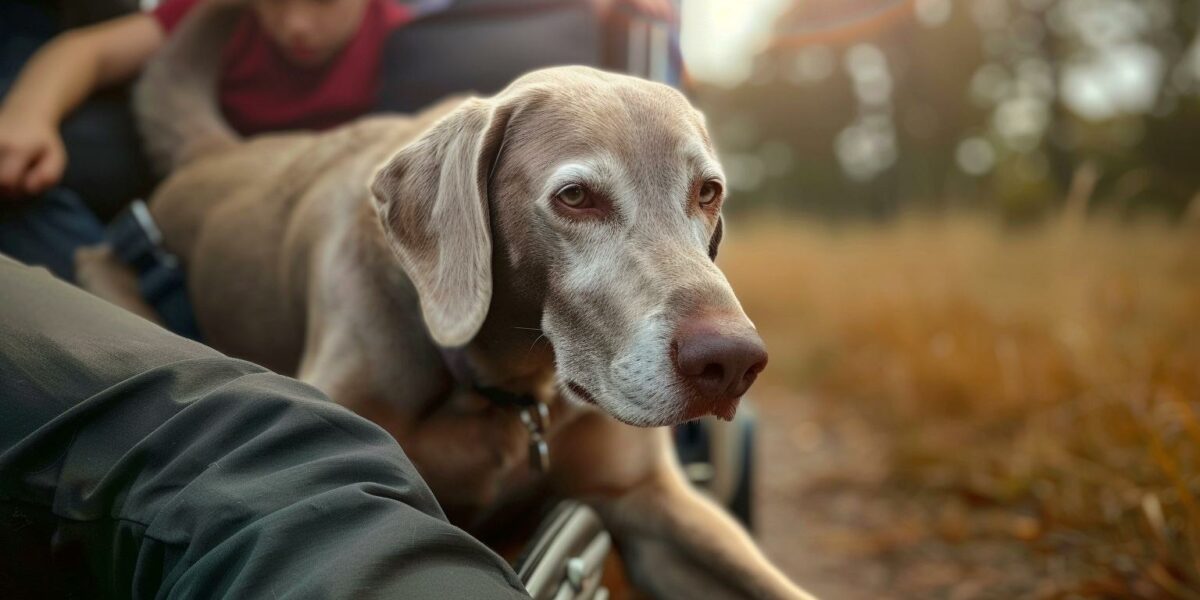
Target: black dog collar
{"x":534,"y":414}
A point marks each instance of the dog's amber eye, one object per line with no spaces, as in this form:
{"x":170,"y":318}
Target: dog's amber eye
{"x":573,"y":196}
{"x":709,"y":192}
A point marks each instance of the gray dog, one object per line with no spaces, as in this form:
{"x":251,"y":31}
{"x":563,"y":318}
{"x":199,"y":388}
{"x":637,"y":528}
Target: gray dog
{"x":532,"y":266}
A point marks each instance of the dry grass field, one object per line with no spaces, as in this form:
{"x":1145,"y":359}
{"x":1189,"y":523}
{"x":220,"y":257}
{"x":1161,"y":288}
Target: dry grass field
{"x":957,"y":410}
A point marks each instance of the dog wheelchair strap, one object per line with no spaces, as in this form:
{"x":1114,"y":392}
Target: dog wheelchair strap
{"x":137,"y":242}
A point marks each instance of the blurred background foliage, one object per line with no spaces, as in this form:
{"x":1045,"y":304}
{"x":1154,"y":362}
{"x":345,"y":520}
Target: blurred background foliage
{"x":862,"y":108}
{"x":969,"y":232}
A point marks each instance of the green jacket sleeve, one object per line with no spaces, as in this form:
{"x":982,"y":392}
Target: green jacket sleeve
{"x":137,"y":464}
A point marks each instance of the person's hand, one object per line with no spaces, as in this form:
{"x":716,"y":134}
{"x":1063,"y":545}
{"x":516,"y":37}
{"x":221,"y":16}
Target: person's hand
{"x":32,"y":156}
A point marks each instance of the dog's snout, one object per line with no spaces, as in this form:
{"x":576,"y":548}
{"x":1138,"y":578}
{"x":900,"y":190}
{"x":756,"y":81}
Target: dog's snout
{"x":720,"y":359}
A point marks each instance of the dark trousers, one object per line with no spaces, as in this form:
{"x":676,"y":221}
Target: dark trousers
{"x":47,"y":230}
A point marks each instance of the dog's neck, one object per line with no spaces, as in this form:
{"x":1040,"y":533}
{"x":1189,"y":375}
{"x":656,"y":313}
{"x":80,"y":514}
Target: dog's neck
{"x":510,"y":352}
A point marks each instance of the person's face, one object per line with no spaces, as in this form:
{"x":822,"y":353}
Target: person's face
{"x":310,"y":32}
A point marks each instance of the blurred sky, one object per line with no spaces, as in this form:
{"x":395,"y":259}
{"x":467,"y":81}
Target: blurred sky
{"x":720,"y":37}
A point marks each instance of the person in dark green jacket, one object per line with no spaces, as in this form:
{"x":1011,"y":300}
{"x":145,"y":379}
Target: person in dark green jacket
{"x":137,"y":464}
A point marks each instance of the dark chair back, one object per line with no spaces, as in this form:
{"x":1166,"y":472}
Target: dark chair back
{"x":480,"y":46}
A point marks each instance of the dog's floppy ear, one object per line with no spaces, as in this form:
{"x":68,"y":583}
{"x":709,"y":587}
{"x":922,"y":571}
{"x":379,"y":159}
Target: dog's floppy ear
{"x":715,"y":241}
{"x":431,"y":198}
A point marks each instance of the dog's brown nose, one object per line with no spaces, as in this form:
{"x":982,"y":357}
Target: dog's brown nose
{"x":720,"y":358}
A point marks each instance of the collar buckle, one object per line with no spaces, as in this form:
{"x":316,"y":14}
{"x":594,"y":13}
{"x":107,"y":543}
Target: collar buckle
{"x":535,"y":417}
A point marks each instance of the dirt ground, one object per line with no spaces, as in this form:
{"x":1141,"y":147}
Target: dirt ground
{"x":956,"y":410}
{"x":826,"y":516}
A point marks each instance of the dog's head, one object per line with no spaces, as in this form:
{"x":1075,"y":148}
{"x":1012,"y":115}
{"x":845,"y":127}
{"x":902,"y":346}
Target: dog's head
{"x":599,"y":196}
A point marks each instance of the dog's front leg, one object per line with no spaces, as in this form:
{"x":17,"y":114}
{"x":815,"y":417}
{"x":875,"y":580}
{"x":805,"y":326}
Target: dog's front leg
{"x":679,"y":544}
{"x":676,"y":542}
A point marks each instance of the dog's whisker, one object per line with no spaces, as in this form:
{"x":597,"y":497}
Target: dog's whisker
{"x":535,"y":341}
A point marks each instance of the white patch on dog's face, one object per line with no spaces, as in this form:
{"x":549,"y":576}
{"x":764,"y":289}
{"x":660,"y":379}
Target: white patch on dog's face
{"x":620,"y":285}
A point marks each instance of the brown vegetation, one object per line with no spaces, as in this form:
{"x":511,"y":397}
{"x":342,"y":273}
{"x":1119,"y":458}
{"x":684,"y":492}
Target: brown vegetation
{"x":953,"y":409}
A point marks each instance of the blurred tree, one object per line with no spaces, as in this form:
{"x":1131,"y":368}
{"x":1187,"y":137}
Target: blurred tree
{"x":865,"y":107}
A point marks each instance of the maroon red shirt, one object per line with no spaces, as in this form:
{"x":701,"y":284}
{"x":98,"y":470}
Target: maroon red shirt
{"x":260,"y":90}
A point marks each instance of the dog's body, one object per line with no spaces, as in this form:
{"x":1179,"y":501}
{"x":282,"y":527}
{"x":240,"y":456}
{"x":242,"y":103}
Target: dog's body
{"x":289,"y":267}
{"x":297,"y":276}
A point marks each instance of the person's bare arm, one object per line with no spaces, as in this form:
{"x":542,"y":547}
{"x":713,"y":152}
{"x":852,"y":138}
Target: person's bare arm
{"x":54,"y":82}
